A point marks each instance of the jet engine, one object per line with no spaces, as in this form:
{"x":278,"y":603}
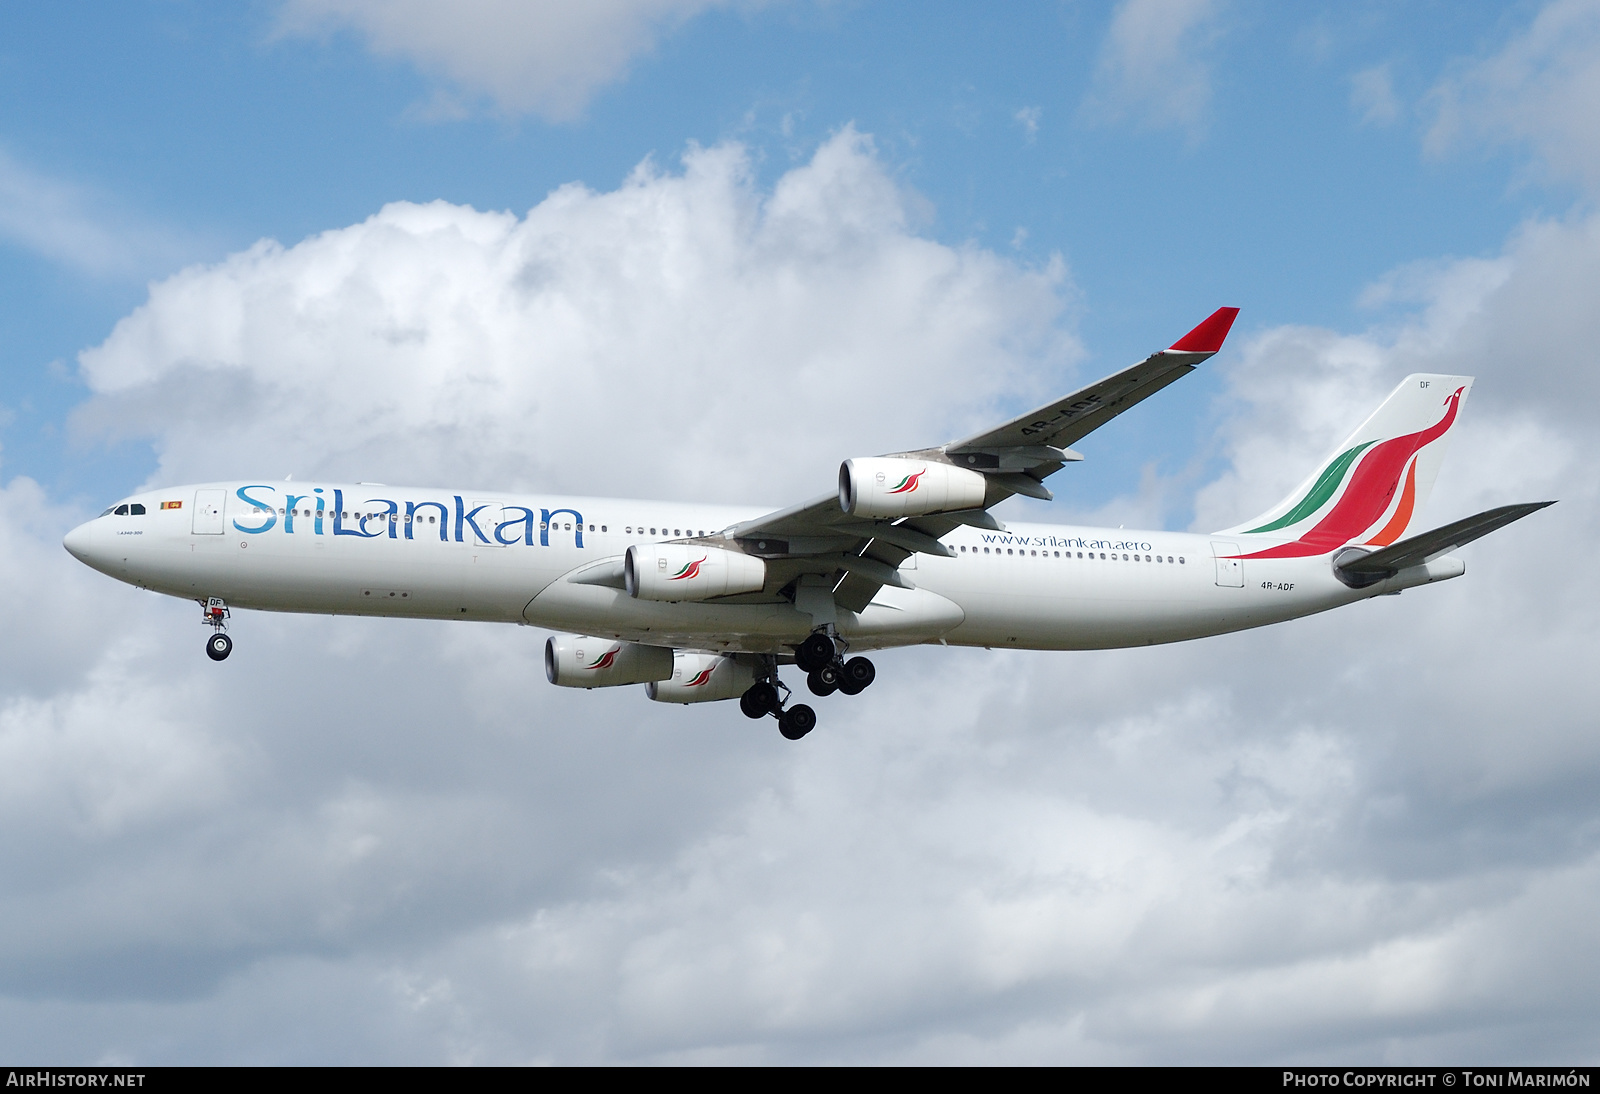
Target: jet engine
{"x":578,"y":661}
{"x":678,"y":571}
{"x":702,"y":678}
{"x":886,"y":486}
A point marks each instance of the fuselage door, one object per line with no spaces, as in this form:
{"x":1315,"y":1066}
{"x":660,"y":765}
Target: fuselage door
{"x":208,"y":512}
{"x":1230,"y":571}
{"x":486,"y":516}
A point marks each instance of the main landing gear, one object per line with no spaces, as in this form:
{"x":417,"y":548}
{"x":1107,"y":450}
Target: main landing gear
{"x":219,"y":645}
{"x":821,"y":657}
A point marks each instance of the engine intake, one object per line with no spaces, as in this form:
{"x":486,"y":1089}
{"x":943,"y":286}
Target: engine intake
{"x":886,"y":486}
{"x":703,"y":678}
{"x":578,"y":661}
{"x":676,"y":571}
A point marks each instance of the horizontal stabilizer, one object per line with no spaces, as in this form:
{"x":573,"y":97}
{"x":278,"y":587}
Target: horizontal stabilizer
{"x":1369,"y":568}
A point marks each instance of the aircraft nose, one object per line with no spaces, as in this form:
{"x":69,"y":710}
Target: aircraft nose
{"x":80,"y":543}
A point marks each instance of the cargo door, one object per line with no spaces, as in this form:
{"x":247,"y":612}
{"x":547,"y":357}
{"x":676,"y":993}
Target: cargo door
{"x":208,"y":512}
{"x":1230,"y":571}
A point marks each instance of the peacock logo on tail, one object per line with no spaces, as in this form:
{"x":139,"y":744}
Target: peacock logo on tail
{"x":1368,"y":493}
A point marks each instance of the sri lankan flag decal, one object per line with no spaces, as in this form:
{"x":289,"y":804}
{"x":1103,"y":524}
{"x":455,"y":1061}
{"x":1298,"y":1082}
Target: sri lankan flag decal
{"x":172,"y":505}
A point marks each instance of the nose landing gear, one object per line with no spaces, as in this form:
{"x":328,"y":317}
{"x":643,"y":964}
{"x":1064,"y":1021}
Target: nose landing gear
{"x":219,"y":645}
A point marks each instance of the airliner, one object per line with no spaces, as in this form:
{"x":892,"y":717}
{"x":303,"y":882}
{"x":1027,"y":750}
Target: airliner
{"x":701,"y":603}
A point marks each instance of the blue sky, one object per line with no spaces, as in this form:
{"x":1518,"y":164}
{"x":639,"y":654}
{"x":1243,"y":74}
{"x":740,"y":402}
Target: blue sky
{"x":706,"y":249}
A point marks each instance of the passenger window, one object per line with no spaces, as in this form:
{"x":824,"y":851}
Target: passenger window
{"x":602,"y":527}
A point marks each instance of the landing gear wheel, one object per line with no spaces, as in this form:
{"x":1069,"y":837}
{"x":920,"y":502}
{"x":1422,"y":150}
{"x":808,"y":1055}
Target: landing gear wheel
{"x":797,"y":721}
{"x":858,"y":673}
{"x":759,"y":700}
{"x":815,"y":652}
{"x":824,"y":681}
{"x":218,"y":646}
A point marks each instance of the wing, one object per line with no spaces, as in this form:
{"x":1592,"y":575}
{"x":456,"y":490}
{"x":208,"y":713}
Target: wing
{"x":859,"y":555}
{"x":1073,"y":417}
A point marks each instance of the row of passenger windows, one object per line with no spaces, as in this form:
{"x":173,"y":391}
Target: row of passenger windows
{"x":394,"y":518}
{"x":679,"y":532}
{"x":1112,"y":556}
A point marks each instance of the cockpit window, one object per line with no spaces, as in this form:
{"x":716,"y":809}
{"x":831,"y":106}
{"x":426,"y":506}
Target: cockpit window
{"x":136,"y":509}
{"x":122,"y":510}
{"x":107,"y":513}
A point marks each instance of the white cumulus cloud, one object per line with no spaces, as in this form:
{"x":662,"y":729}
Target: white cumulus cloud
{"x":680,"y":333}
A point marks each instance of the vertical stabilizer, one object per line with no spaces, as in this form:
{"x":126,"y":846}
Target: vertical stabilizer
{"x":1370,"y":489}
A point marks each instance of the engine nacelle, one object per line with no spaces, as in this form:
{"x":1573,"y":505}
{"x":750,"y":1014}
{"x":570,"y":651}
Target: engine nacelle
{"x":703,"y":678}
{"x":677,"y":571}
{"x":885,"y":486}
{"x":578,"y":661}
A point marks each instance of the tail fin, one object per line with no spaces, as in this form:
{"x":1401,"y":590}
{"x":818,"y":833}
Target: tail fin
{"x":1369,"y":490}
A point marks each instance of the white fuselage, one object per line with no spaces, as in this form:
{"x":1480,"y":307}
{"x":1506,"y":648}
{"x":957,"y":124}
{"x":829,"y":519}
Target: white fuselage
{"x":375,"y":550}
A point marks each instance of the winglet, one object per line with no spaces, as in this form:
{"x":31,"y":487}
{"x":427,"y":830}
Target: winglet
{"x":1208,"y":336}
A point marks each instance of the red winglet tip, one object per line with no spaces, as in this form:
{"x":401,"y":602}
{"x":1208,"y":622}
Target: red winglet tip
{"x":1209,"y":335}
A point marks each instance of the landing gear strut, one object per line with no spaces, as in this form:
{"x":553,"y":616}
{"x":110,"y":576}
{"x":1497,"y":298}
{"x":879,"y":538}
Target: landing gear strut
{"x":219,"y":645}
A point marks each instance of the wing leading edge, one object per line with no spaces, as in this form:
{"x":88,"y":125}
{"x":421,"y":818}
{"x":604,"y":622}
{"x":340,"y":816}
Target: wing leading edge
{"x":863,"y":554}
